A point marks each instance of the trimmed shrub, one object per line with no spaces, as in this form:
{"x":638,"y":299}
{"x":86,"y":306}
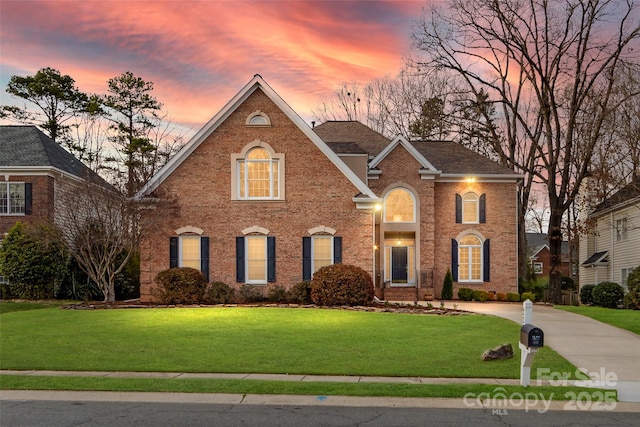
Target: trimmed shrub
{"x":480,"y":295}
{"x":34,"y":260}
{"x":251,"y":293}
{"x":513,"y":297}
{"x":219,"y":293}
{"x":300,"y":293}
{"x":568,"y":284}
{"x":586,"y":294}
{"x":278,"y":293}
{"x":465,"y":294}
{"x":447,"y":286}
{"x":608,"y":294}
{"x":528,"y":296}
{"x":341,"y":284}
{"x":501,"y":296}
{"x":632,"y":298}
{"x":182,"y":285}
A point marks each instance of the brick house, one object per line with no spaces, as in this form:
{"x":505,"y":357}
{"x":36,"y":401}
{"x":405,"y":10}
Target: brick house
{"x":36,"y":174}
{"x":258,"y":197}
{"x":540,"y":257}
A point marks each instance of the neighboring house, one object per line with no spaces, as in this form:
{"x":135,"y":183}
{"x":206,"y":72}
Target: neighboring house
{"x":35,"y":174}
{"x":611,"y":248}
{"x":540,"y":257}
{"x":259,"y":198}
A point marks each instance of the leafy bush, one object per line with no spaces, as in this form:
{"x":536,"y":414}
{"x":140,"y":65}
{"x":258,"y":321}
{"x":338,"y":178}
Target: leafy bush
{"x":300,"y":293}
{"x":633,"y":285}
{"x":513,"y":297}
{"x":586,"y":294}
{"x":567,"y":283}
{"x":447,"y":286}
{"x":182,"y":285}
{"x":465,"y":294}
{"x":480,"y":295}
{"x":501,"y":296}
{"x":528,"y":296}
{"x":34,"y":260}
{"x":608,"y":294}
{"x":219,"y":293}
{"x":278,"y":293}
{"x":341,"y":284}
{"x":251,"y":293}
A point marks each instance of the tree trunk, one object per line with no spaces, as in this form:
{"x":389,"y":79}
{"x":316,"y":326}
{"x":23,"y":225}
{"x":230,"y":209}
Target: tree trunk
{"x":555,"y":248}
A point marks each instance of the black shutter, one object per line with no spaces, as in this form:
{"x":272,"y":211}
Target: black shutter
{"x":306,"y":258}
{"x":173,"y":252}
{"x":271,"y":259}
{"x":486,"y":257}
{"x":454,"y":259}
{"x":458,"y":209}
{"x":28,"y":198}
{"x":240,"y":259}
{"x":337,"y":250}
{"x":204,"y":256}
{"x":483,"y":209}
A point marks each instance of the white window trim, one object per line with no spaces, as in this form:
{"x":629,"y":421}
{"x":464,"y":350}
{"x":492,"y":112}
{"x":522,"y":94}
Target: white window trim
{"x":313,"y":250}
{"x":246,"y":258}
{"x":8,"y":200}
{"x":477,"y":204}
{"x":180,"y":246}
{"x":384,"y":204}
{"x":235,"y":171}
{"x":260,"y":114}
{"x":481,"y":246}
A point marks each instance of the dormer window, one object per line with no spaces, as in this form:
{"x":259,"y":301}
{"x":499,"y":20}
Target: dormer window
{"x":258,"y":119}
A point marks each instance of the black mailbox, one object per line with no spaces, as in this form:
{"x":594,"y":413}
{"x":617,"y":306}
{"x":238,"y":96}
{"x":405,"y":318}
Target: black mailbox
{"x":531,"y":336}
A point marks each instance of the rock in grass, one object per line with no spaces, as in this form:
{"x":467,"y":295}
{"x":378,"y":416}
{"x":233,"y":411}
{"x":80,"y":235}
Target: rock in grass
{"x":505,"y":351}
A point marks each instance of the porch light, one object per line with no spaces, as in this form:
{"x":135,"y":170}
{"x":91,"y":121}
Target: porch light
{"x":471,"y":179}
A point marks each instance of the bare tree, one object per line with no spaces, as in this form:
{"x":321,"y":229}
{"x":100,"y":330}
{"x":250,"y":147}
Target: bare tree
{"x":103,"y":229}
{"x":541,"y":62}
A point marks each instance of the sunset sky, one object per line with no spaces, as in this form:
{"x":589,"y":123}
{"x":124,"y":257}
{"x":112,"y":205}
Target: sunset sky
{"x":199,"y":54}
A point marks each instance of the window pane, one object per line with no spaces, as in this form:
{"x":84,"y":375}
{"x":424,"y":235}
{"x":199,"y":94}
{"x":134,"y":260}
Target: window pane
{"x":241,"y":179}
{"x":470,"y":258}
{"x":470,"y":208}
{"x":4,"y":201}
{"x":190,"y":252}
{"x":258,"y":154}
{"x":16,"y":198}
{"x":256,"y":259}
{"x":322,"y":251}
{"x":399,"y":206}
{"x":274,"y":166}
{"x":470,"y":239}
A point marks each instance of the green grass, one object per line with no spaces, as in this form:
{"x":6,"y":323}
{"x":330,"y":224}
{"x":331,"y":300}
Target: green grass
{"x":11,"y":306}
{"x":13,"y":382}
{"x":263,"y":340}
{"x":625,"y":319}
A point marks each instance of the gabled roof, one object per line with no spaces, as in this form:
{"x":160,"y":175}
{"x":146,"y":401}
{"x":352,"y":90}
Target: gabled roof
{"x":621,"y":198}
{"x":426,"y":166}
{"x":27,"y":149}
{"x":597,"y":258}
{"x":257,"y":83}
{"x":538,"y":241}
{"x":351,"y":137}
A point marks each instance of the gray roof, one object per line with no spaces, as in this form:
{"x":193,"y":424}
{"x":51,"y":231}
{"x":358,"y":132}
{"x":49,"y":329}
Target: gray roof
{"x":627,"y":193}
{"x":451,"y":157}
{"x":537,"y":241}
{"x":28,"y":146}
{"x":351,"y":137}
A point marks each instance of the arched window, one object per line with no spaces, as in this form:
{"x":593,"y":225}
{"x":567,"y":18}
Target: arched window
{"x":399,"y":206}
{"x":470,"y":258}
{"x":258,"y":175}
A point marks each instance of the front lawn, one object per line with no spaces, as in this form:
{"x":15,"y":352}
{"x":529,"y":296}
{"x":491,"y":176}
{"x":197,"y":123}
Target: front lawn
{"x":263,"y":340}
{"x":625,"y":319}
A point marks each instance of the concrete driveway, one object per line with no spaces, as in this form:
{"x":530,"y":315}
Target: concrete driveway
{"x":601,"y":349}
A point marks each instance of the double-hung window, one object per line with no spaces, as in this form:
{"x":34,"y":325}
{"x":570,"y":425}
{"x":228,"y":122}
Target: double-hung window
{"x":258,"y":175}
{"x":318,"y":251}
{"x":190,"y":251}
{"x":255,"y":259}
{"x":14,"y":198}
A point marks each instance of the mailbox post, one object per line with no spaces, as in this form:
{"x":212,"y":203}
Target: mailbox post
{"x":531,"y":339}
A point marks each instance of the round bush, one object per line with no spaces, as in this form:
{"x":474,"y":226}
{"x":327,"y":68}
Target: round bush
{"x":608,"y":294}
{"x":567,"y":283}
{"x":480,"y":295}
{"x":633,"y":286}
{"x":513,"y":297}
{"x":220,"y":293}
{"x":531,"y":296}
{"x":341,"y":284}
{"x":300,"y":293}
{"x":183,"y":285}
{"x":465,"y":294}
{"x":586,"y":294}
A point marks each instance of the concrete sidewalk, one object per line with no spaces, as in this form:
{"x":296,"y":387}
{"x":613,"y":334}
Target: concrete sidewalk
{"x":609,"y":355}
